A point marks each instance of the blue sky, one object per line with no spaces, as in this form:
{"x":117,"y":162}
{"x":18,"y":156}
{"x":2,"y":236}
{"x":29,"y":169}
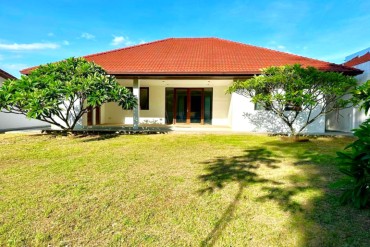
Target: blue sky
{"x":36,"y":32}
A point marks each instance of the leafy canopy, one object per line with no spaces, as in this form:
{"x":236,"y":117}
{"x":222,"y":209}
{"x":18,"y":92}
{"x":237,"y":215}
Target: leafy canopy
{"x":362,"y":96}
{"x":290,"y":90}
{"x":60,"y":93}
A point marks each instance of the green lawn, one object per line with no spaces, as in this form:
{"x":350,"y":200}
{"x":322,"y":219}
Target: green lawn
{"x":174,"y":190}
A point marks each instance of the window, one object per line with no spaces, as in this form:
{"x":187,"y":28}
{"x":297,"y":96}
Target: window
{"x":260,"y":107}
{"x":144,"y":97}
{"x":292,"y":107}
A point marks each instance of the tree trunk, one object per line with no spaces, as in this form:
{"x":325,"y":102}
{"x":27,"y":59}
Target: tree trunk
{"x":292,"y":131}
{"x":293,"y":135}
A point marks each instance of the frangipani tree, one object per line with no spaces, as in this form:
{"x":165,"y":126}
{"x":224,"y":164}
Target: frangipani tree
{"x":60,"y":93}
{"x":289,"y":90}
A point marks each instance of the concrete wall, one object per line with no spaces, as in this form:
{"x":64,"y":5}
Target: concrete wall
{"x":350,"y":118}
{"x":221,"y":106}
{"x":233,"y":110}
{"x":9,"y":121}
{"x":112,"y":113}
{"x":245,"y":118}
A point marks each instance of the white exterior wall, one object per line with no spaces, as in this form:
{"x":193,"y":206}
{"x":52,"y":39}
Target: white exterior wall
{"x":245,"y":118}
{"x":112,"y":113}
{"x":234,"y":110}
{"x":9,"y":121}
{"x":350,"y":118}
{"x":221,"y":106}
{"x":78,"y":125}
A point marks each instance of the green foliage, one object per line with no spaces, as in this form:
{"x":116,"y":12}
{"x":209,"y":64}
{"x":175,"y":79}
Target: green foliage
{"x":356,"y":162}
{"x":362,"y":95}
{"x":289,"y":90}
{"x":60,"y":93}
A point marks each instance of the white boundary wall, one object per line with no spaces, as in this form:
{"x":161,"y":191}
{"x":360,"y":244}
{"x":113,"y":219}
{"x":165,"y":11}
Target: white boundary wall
{"x":350,"y":118}
{"x":9,"y":121}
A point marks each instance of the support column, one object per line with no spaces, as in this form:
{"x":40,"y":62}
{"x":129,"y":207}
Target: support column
{"x":136,"y":110}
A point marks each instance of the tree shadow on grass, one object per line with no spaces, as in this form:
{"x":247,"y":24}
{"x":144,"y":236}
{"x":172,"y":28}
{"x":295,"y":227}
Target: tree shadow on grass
{"x":322,"y":221}
{"x":237,"y":169}
{"x":284,"y":197}
{"x":308,"y":195}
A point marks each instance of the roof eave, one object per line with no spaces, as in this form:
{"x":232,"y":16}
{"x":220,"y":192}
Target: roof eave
{"x":6,"y":75}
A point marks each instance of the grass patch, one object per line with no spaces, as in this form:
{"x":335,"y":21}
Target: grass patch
{"x":174,"y":190}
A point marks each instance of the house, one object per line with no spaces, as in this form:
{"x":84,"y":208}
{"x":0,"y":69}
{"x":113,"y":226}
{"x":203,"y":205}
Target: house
{"x":183,"y":81}
{"x":351,"y":118}
{"x":10,"y":121}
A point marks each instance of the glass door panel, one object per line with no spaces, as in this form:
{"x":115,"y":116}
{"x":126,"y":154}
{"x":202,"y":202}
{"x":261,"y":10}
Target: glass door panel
{"x":181,"y":105}
{"x":169,"y":105}
{"x":195,"y":106}
{"x":208,"y":105}
{"x":189,"y":105}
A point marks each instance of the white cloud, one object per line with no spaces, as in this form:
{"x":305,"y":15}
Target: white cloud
{"x":14,"y":66}
{"x":65,"y":42}
{"x":142,"y":42}
{"x":275,"y":46}
{"x":28,"y":47}
{"x":87,"y":36}
{"x":118,"y":40}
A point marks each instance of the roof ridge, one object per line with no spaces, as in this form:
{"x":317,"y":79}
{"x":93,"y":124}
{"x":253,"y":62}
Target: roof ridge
{"x":285,"y":53}
{"x":105,"y":52}
{"x":149,"y":43}
{"x":164,"y":58}
{"x":127,"y":47}
{"x":359,"y":59}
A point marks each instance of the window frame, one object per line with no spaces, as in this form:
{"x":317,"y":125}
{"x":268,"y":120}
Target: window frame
{"x":260,"y":107}
{"x":147,"y":101}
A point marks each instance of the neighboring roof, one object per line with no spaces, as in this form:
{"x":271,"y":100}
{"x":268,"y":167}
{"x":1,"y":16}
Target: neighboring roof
{"x":358,"y":60}
{"x":6,"y":75}
{"x":356,"y":54}
{"x":200,"y":56}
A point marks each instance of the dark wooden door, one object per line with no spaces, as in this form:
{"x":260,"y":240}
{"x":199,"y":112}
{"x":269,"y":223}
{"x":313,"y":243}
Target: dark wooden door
{"x":90,"y":116}
{"x":97,"y":115}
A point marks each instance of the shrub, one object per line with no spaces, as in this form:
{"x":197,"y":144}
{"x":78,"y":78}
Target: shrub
{"x":356,"y":164}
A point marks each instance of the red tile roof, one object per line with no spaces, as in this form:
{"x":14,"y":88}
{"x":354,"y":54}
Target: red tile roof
{"x":6,"y":75}
{"x":200,"y":56}
{"x":358,"y":60}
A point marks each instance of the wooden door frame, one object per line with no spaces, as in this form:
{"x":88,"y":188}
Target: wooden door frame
{"x":97,"y":115}
{"x":90,"y":120}
{"x":90,"y":116}
{"x":188,"y":104}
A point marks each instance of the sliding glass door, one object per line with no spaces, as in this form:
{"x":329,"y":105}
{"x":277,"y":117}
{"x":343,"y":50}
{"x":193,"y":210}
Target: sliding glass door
{"x":181,"y":105}
{"x":189,"y":105}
